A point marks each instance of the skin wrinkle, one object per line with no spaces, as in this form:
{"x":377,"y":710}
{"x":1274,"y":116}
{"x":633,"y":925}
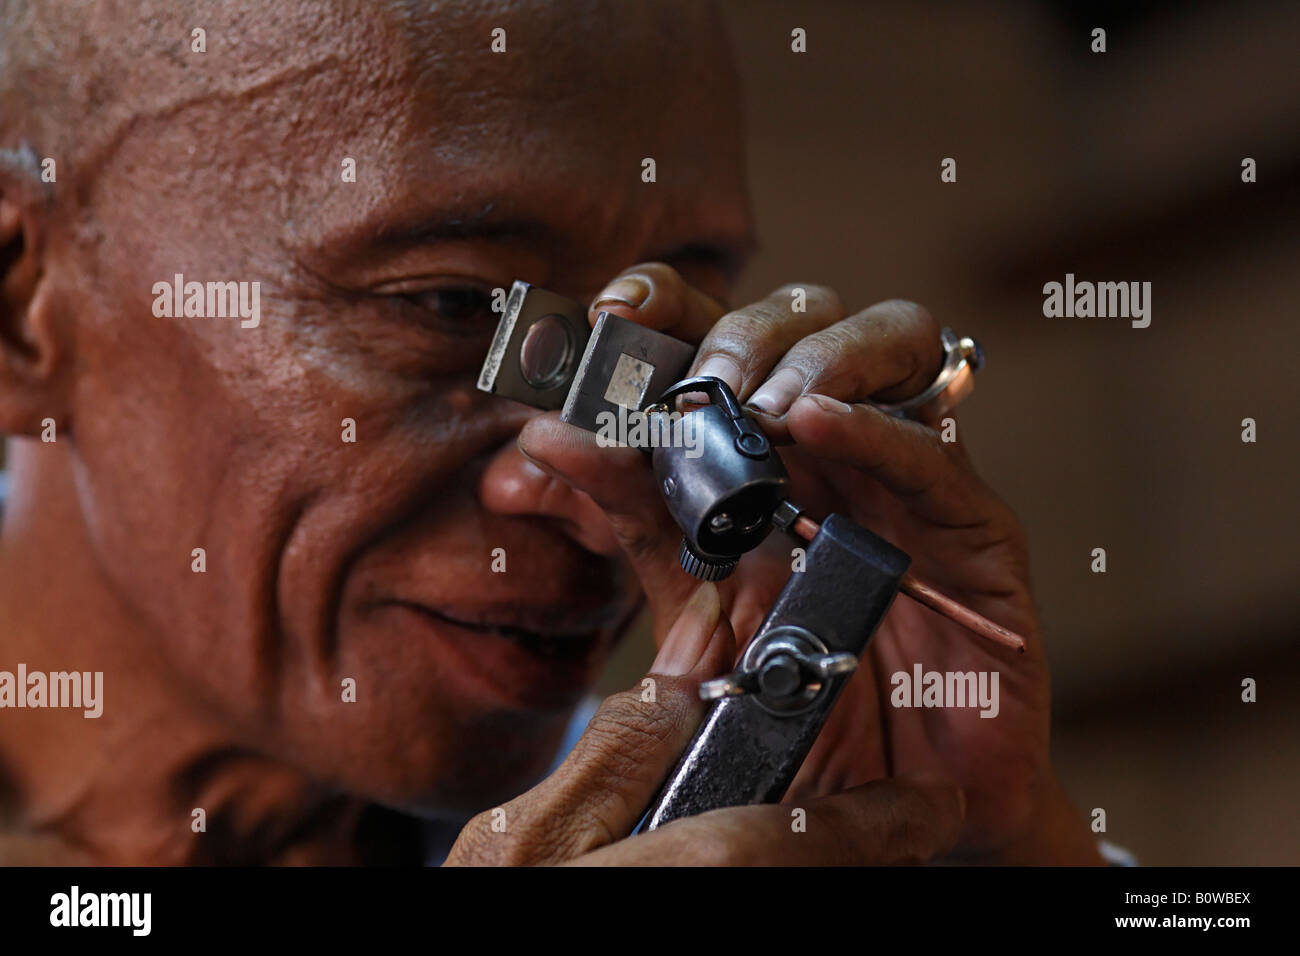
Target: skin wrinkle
{"x":328,"y":624}
{"x":110,"y":131}
{"x":267,"y":652}
{"x":267,"y":649}
{"x":171,"y":110}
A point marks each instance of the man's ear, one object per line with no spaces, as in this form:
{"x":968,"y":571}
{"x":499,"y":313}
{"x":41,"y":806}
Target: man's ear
{"x":31,"y":345}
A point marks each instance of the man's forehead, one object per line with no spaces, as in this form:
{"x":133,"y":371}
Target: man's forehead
{"x":573,"y":65}
{"x":546,"y":128}
{"x":564,"y":56}
{"x":542,"y":141}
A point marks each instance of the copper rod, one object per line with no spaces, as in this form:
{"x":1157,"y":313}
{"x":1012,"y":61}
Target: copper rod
{"x":921,"y":592}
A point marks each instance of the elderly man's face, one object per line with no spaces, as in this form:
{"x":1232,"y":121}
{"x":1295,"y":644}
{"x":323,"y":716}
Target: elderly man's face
{"x":373,"y":560}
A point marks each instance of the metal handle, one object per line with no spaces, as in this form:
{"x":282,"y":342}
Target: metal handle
{"x":750,"y":746}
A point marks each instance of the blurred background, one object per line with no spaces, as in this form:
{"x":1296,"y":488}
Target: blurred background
{"x":1122,"y":166}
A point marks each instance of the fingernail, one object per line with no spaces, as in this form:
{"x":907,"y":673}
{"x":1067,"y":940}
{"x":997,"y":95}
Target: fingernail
{"x":689,"y":636}
{"x":775,"y":396}
{"x":719,"y":366}
{"x":826,"y":403}
{"x":629,"y":290}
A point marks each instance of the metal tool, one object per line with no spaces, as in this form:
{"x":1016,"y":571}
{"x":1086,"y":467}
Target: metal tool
{"x":766,"y":714}
{"x":723,"y":490}
{"x":726,"y":495}
{"x":544,"y":354}
{"x":536,"y":348}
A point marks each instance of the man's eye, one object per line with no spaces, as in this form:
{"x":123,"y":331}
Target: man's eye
{"x":457,"y":304}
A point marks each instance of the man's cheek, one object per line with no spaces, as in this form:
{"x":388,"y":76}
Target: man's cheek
{"x":415,"y":747}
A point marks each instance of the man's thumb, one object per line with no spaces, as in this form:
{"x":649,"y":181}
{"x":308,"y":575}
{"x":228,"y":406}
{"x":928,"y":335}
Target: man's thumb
{"x":636,"y":737}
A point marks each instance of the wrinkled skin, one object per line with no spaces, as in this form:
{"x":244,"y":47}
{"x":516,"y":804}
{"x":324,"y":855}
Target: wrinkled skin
{"x":329,"y":560}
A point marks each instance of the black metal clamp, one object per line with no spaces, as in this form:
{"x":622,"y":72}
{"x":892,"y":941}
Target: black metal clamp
{"x":753,"y":740}
{"x":766,"y":715}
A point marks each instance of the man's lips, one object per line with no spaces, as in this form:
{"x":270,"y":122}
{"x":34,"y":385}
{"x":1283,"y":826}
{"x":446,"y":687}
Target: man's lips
{"x":521,"y":656}
{"x":548,"y":633}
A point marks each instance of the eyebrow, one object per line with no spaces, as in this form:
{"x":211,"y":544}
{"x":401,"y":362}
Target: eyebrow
{"x":483,"y":221}
{"x":494,"y":220}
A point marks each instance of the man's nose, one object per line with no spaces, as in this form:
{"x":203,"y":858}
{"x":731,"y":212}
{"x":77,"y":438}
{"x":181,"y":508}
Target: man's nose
{"x":513,"y":485}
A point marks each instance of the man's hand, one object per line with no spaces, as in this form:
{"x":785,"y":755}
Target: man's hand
{"x":808,"y":376}
{"x":582,"y":814}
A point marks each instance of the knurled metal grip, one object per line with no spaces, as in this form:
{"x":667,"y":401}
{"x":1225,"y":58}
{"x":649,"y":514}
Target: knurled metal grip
{"x":745,"y":752}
